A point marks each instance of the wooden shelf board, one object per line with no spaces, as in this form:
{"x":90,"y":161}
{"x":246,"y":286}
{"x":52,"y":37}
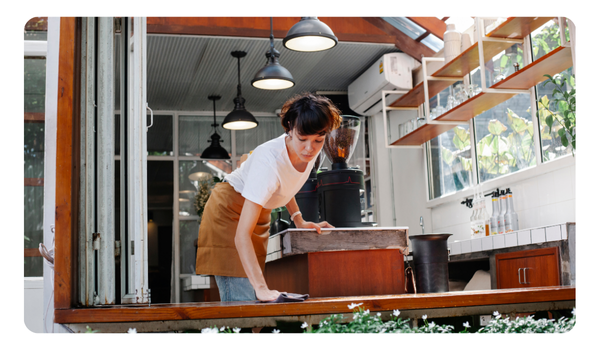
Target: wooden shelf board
{"x":518,"y":27}
{"x":423,"y":134}
{"x":552,"y":63}
{"x":468,"y":60}
{"x":416,"y":96}
{"x":475,"y":106}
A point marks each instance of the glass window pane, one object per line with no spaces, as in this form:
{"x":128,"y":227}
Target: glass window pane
{"x":268,"y":128}
{"x":504,"y":136}
{"x":449,"y":162}
{"x":160,"y":135}
{"x":188,"y":235}
{"x":33,"y":150}
{"x":551,"y":116}
{"x":195,"y":133}
{"x":546,"y":38}
{"x":35,"y":85}
{"x":406,"y":26}
{"x":433,"y":42}
{"x":33,"y":216}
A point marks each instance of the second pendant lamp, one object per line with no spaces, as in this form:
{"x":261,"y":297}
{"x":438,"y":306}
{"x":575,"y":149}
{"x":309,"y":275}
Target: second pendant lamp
{"x":310,"y":35}
{"x":215,"y":150}
{"x":273,"y":76}
{"x":239,"y":118}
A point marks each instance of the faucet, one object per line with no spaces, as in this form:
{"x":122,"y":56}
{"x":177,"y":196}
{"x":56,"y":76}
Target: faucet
{"x":422,"y":226}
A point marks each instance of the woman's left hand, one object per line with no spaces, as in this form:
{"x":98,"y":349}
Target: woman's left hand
{"x":315,"y":225}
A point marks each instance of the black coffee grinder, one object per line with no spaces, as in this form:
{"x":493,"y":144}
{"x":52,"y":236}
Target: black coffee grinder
{"x":339,"y":189}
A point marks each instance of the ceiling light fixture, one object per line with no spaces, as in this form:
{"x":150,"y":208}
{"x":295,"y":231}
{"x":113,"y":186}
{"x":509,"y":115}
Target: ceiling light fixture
{"x":239,"y":118}
{"x":273,"y":76}
{"x":215,"y":150}
{"x":309,"y":35}
{"x":200,"y":172}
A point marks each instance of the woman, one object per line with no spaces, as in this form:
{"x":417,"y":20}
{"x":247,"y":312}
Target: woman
{"x":233,"y":235}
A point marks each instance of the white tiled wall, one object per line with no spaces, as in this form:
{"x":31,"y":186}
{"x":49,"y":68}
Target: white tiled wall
{"x":545,"y":200}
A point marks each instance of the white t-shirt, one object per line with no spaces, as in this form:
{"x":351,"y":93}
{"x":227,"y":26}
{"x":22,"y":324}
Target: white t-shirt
{"x":268,"y":177}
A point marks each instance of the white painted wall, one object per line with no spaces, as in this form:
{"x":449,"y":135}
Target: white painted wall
{"x":541,"y":200}
{"x":543,"y":195}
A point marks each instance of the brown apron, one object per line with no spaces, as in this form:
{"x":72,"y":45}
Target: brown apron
{"x":217,"y":254}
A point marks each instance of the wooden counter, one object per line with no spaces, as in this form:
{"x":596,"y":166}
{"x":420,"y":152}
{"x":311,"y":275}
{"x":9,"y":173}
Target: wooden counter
{"x":338,"y":262}
{"x":168,"y":317}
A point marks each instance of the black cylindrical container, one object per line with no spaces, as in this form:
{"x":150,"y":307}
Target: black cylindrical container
{"x":339,"y":197}
{"x":430,"y":257}
{"x":308,"y":200}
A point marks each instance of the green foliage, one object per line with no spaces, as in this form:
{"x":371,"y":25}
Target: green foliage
{"x":557,"y":112}
{"x":204,"y":190}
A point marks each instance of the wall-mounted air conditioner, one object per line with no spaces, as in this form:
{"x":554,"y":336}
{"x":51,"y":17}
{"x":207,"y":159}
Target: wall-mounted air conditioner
{"x":393,"y":71}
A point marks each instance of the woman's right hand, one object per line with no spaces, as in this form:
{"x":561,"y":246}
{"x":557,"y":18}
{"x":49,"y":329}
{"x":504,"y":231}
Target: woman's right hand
{"x":265,"y":294}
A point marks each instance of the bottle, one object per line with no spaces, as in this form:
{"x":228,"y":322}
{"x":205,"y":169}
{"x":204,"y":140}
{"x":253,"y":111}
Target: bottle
{"x":502,"y":207}
{"x":510,"y":218}
{"x":485,"y":217}
{"x":473,"y":218}
{"x":477,"y":223}
{"x":494,"y":216}
{"x":452,"y":41}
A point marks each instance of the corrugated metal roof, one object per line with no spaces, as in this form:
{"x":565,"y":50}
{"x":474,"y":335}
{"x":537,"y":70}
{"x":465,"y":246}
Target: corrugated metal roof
{"x":184,"y":70}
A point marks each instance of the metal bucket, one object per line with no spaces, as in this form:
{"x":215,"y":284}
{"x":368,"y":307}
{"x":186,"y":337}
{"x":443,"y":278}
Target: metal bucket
{"x":430,"y":258}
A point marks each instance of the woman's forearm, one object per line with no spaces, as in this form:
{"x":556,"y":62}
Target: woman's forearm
{"x":244,"y":246}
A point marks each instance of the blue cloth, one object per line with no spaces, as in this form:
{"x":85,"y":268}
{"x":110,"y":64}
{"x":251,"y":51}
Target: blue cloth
{"x":235,"y":288}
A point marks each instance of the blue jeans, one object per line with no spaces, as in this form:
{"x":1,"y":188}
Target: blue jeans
{"x":235,"y":288}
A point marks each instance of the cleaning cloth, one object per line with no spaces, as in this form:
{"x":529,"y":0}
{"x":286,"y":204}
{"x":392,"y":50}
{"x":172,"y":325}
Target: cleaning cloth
{"x":287,"y":298}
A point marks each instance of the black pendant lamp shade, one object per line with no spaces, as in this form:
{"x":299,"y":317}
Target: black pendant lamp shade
{"x":273,"y":76}
{"x":310,"y":35}
{"x":239,"y":118}
{"x":215,"y":150}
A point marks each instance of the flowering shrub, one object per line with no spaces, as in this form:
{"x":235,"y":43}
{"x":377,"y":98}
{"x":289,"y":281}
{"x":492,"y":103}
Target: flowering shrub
{"x":363,"y":321}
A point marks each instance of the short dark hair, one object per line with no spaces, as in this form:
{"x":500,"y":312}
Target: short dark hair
{"x":310,"y":115}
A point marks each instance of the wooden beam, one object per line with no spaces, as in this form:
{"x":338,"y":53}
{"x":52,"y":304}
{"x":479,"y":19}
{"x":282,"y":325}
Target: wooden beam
{"x":37,"y":24}
{"x":31,"y":117}
{"x":344,"y":28}
{"x":405,"y":43}
{"x":32,"y":181}
{"x":32,"y":252}
{"x":432,"y":25}
{"x":65,"y":185}
{"x":314,"y":306}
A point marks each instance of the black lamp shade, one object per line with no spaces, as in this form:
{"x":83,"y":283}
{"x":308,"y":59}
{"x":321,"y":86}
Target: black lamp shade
{"x":239,"y":119}
{"x":310,"y":35}
{"x":273,"y":76}
{"x":215,"y":151}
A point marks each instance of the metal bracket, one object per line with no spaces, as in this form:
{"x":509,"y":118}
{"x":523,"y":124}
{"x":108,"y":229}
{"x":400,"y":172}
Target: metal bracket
{"x":96,"y":241}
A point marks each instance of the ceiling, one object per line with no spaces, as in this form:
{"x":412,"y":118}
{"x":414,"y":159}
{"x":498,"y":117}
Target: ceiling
{"x":183,"y":70}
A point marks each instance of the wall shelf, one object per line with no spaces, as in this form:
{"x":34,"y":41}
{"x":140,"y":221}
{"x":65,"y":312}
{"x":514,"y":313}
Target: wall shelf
{"x":514,"y":28}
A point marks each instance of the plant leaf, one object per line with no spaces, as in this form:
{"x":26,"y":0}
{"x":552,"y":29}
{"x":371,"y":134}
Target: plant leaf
{"x":495,"y":127}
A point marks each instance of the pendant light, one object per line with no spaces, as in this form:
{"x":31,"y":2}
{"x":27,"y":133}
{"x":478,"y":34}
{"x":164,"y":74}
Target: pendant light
{"x":187,"y":188}
{"x":215,"y":150}
{"x":200,"y":172}
{"x":239,"y":118}
{"x":310,"y":35}
{"x":273,"y":76}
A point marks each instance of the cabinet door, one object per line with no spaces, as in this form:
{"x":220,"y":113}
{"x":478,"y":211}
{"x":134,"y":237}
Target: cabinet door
{"x":529,"y":268}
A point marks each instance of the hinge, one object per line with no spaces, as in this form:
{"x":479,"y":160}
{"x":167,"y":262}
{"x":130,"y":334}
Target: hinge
{"x":132,"y":246}
{"x":117,"y":24}
{"x":117,"y":248}
{"x":96,"y":241}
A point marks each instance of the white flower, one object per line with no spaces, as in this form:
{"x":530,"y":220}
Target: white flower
{"x":222,"y":329}
{"x":379,"y":314}
{"x":237,"y":330}
{"x":424,"y":317}
{"x":304,"y":325}
{"x":496,"y":314}
{"x":352,"y":306}
{"x":210,"y":330}
{"x":466,"y":325}
{"x":396,"y":313}
{"x":132,"y":330}
{"x":275,"y":331}
{"x":355,"y":316}
{"x":573,"y":312}
{"x":366,"y":312}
